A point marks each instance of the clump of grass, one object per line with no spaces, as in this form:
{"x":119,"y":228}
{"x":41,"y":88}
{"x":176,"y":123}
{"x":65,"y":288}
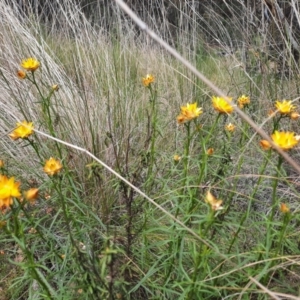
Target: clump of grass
{"x":127,"y":178}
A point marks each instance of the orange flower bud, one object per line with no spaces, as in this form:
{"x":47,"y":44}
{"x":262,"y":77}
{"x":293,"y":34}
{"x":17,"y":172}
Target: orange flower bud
{"x":265,"y":144}
{"x":176,"y":158}
{"x":294,"y":116}
{"x":21,"y":74}
{"x":284,"y":208}
{"x":210,"y":151}
{"x":31,"y":195}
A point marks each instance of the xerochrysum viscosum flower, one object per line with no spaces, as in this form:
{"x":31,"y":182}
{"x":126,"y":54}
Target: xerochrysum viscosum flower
{"x":189,"y":112}
{"x":285,"y":140}
{"x":148,"y":80}
{"x":285,"y":107}
{"x":52,"y":166}
{"x":243,"y":101}
{"x":30,"y":64}
{"x":221,"y":105}
{"x":22,"y":131}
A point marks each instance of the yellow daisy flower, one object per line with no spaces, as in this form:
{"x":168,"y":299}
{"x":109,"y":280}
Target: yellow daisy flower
{"x":230,"y":127}
{"x":148,"y":80}
{"x":285,"y":140}
{"x":243,"y":100}
{"x":213,"y":202}
{"x":30,"y":64}
{"x":9,"y":189}
{"x":22,"y":131}
{"x":221,"y":105}
{"x":52,"y":166}
{"x":189,"y":112}
{"x":285,"y":107}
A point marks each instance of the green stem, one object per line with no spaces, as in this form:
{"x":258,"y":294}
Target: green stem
{"x":203,"y":158}
{"x":20,"y":238}
{"x":275,"y":184}
{"x":286,"y":220}
{"x":176,"y":244}
{"x":245,"y":216}
{"x":186,"y":152}
{"x":202,"y":250}
{"x":45,"y":105}
{"x":153,"y":96}
{"x":269,"y":238}
{"x":276,"y":123}
{"x":37,"y":86}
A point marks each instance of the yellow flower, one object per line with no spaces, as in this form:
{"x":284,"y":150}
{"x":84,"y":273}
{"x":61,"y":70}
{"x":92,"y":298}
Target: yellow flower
{"x":294,"y":115}
{"x":230,"y":127}
{"x":285,"y":107}
{"x":30,"y":64}
{"x":21,"y":74}
{"x":9,"y":189}
{"x":189,"y":112}
{"x":243,"y":100}
{"x":213,"y":202}
{"x":52,"y":166}
{"x":221,"y":105}
{"x":284,"y":208}
{"x":285,"y":140}
{"x":176,"y":158}
{"x":23,"y":130}
{"x":148,"y":80}
{"x":31,"y":195}
{"x":210,"y":151}
{"x":265,"y":144}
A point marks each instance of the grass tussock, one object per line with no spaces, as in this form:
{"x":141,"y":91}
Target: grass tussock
{"x":123,"y":176}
